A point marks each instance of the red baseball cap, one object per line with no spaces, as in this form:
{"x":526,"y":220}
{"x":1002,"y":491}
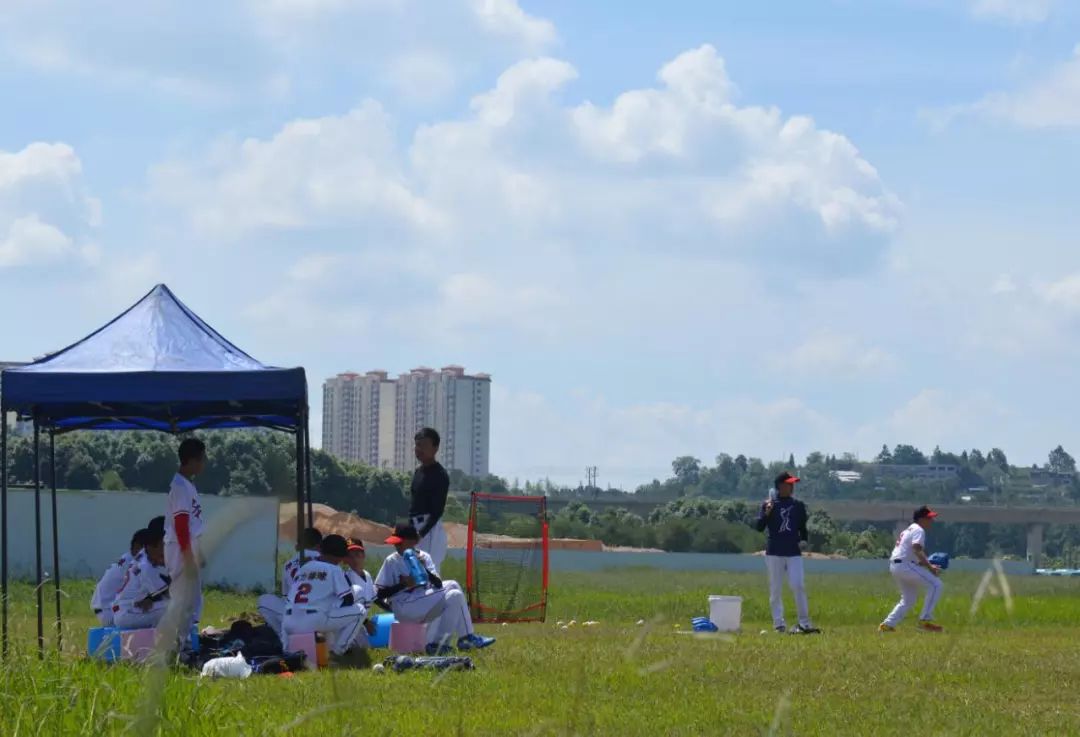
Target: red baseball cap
{"x":356,"y":545}
{"x":402,"y":531}
{"x":924,"y":511}
{"x":786,"y":478}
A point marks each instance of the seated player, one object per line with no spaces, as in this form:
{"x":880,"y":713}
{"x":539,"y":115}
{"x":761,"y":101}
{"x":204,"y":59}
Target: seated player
{"x":157,"y":524}
{"x":441,"y":605}
{"x":144,"y":597}
{"x":111,"y":582}
{"x":272,"y":608}
{"x":363,"y":585}
{"x":321,"y":600}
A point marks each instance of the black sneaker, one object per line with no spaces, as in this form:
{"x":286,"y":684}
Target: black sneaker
{"x":780,"y":630}
{"x":800,"y":630}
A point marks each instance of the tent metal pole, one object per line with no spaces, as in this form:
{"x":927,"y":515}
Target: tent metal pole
{"x":299,"y":490}
{"x":37,"y":538}
{"x":55,"y":539}
{"x":4,"y":525}
{"x":307,"y":466}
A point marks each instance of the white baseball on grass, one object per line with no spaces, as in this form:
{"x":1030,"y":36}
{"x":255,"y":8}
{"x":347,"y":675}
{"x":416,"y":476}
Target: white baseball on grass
{"x":565,"y":628}
{"x":764,"y":632}
{"x":378,"y":667}
{"x":641,"y":623}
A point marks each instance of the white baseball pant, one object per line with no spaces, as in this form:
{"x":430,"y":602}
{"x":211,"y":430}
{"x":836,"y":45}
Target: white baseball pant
{"x":791,"y":566}
{"x":445,"y":611}
{"x":137,"y":620}
{"x":272,"y":609}
{"x":174,"y":561}
{"x":342,"y":626}
{"x":434,"y":543}
{"x":910,"y":577}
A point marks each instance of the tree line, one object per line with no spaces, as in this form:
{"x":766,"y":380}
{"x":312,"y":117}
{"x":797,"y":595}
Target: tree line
{"x":706,"y":509}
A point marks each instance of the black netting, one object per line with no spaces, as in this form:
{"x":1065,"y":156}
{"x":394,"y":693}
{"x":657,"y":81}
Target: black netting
{"x":507,"y":559}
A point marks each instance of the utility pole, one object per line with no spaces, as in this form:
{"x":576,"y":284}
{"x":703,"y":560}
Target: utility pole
{"x":590,"y":477}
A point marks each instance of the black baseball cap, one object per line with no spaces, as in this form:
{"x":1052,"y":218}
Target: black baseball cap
{"x":924,"y":511}
{"x":785,"y":478}
{"x":157,"y":524}
{"x":334,"y":545}
{"x":402,"y":531}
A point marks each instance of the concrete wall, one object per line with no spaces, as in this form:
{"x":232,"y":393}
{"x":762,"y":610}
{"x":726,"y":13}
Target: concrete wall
{"x":239,"y":541}
{"x":581,"y":560}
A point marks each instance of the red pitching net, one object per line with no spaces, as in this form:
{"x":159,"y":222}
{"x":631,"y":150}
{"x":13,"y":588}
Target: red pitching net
{"x":506,"y":561}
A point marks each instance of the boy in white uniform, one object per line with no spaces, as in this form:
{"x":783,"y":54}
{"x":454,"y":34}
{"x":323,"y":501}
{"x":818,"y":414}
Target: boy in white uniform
{"x":363,"y":585}
{"x":272,"y":608}
{"x":442,"y":606}
{"x":184,"y":524}
{"x":144,"y":598}
{"x":912,"y":570}
{"x":322,"y":600}
{"x":113,"y":580}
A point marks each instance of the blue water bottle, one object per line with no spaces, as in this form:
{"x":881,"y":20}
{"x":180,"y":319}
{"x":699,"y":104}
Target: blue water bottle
{"x":417,"y":571}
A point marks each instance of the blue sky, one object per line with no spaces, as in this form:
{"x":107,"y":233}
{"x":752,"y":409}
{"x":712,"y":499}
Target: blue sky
{"x":664,"y":228}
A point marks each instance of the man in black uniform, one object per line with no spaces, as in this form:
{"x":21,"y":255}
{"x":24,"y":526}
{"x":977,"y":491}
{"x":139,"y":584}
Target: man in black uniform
{"x":430,"y":485}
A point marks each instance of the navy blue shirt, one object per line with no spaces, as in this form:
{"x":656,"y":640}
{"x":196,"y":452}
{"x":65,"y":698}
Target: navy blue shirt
{"x":786,"y":525}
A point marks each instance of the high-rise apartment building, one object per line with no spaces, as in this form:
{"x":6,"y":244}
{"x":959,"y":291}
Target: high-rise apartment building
{"x":372,"y":419}
{"x":358,"y":418}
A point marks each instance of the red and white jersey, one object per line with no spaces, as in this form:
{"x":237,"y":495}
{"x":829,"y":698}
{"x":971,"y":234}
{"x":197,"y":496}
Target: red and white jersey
{"x":142,"y":581}
{"x":363,"y":587}
{"x":292,"y":567}
{"x":319,"y":585}
{"x":913,"y":535}
{"x":183,"y":499}
{"x":395,"y":567}
{"x":110,"y":584}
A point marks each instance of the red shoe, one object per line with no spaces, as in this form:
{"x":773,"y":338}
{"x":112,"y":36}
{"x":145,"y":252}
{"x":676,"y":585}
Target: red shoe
{"x":928,"y":626}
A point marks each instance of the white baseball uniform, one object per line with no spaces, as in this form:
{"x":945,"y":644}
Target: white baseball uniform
{"x":445,"y":610}
{"x":107,"y":588}
{"x":143,"y":580}
{"x":315,"y":605}
{"x":435,"y":542}
{"x":910,"y":577}
{"x":271,"y":607}
{"x":184,"y":499}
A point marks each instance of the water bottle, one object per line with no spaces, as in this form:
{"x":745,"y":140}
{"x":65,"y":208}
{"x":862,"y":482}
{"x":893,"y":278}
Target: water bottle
{"x":417,"y":571}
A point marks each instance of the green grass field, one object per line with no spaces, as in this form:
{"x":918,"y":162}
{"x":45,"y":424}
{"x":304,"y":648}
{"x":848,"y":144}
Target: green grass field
{"x":993,"y":674}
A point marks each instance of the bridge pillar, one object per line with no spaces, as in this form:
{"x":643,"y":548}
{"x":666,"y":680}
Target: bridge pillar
{"x":1035,"y":544}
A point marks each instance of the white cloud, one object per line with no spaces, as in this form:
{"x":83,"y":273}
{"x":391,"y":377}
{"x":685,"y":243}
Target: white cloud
{"x":835,"y":355}
{"x":1004,"y":284}
{"x":313,"y":172}
{"x":44,"y":207}
{"x":1050,"y":102}
{"x":422,"y":77}
{"x":1064,"y":293}
{"x":506,"y":18}
{"x":676,"y":168}
{"x":635,"y":442}
{"x":936,"y":417}
{"x":1013,"y":11}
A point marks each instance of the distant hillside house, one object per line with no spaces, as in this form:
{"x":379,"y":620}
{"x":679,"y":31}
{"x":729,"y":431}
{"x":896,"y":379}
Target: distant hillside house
{"x":846,"y":477}
{"x":916,"y":472}
{"x":1046,"y":477}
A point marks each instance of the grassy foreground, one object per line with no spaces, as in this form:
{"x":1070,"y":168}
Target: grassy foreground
{"x":991,"y":674}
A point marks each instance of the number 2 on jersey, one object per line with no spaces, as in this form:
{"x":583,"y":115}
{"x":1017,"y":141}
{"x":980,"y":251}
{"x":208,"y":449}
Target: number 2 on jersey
{"x":302,"y":594}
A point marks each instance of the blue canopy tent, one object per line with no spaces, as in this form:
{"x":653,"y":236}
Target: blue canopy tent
{"x":157,"y":366}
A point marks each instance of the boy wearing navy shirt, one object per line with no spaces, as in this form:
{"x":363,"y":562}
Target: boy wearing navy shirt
{"x":784,"y":519}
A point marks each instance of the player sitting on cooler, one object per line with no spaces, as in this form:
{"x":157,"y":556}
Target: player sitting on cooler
{"x":321,"y":600}
{"x":271,"y":607}
{"x":441,"y":605}
{"x":113,"y":580}
{"x":144,"y":597}
{"x":911,"y":570}
{"x":363,"y":585}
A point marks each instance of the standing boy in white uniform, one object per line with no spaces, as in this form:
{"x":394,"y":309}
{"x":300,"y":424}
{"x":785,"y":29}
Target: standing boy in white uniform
{"x":443,"y":607}
{"x":144,"y":598}
{"x":322,"y":600}
{"x":912,"y":570}
{"x":113,"y":580}
{"x":272,"y":608}
{"x":784,"y":518}
{"x":184,"y":526}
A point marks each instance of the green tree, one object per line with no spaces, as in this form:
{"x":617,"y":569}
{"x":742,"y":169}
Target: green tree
{"x":885,"y":456}
{"x":111,"y":481}
{"x":1061,"y":462}
{"x":908,"y":455}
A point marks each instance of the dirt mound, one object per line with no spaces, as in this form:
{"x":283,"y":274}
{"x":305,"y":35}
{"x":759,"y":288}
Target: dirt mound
{"x":329,"y":521}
